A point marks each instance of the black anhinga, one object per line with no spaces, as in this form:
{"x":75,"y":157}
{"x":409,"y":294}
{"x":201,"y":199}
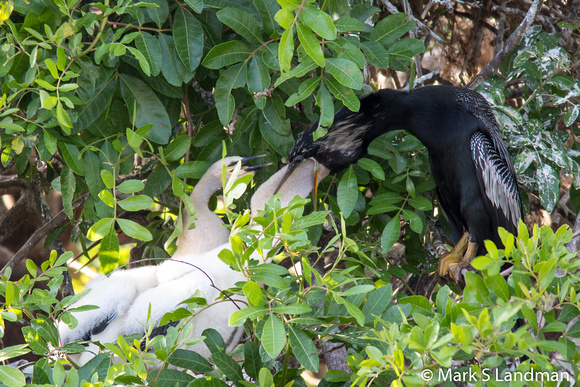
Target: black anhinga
{"x":476,"y":181}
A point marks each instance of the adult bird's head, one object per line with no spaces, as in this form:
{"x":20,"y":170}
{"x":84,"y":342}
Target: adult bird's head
{"x":305,"y":148}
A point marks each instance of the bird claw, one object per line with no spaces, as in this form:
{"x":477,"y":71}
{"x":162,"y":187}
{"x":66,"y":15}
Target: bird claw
{"x":452,"y":266}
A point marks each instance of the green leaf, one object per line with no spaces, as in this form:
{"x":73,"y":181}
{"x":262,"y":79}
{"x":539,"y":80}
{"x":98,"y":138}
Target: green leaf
{"x":242,"y":23}
{"x":377,"y":301}
{"x":231,"y":78}
{"x":172,"y":68}
{"x":252,"y":312}
{"x":390,"y":234}
{"x":420,"y":203}
{"x":11,"y":376}
{"x":71,"y":156}
{"x":392,"y":28}
{"x":376,"y":54}
{"x":324,"y":101}
{"x":170,"y":378}
{"x":310,"y":43}
{"x":286,"y":49}
{"x":145,"y":108}
{"x":109,"y":250}
{"x":226,"y":54}
{"x":402,"y":51}
{"x":357,"y":289}
{"x":347,"y":193}
{"x":419,"y":303}
{"x":344,"y":94}
{"x":190,"y":360}
{"x":349,"y":24}
{"x":254,"y":293}
{"x":252,"y":359}
{"x":345,"y":72}
{"x":136,"y":203}
{"x":258,"y":79}
{"x":192,"y":169}
{"x":354,"y":312}
{"x":100,"y":229}
{"x":273,"y":336}
{"x":305,"y":90}
{"x":68,"y":187}
{"x":177,"y":148}
{"x":196,"y":5}
{"x":373,"y":167}
{"x":267,"y":9}
{"x":304,"y":349}
{"x":131,"y":186}
{"x":188,"y":36}
{"x":134,"y":230}
{"x":414,"y":220}
{"x":159,"y":13}
{"x":319,"y":21}
{"x":274,"y":113}
{"x":292,"y":309}
{"x":231,"y":369}
{"x":149,"y":47}
{"x":97,"y":100}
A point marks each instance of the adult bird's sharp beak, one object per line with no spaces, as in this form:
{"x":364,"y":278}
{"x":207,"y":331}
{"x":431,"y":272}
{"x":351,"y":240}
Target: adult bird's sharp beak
{"x":251,"y":168}
{"x":291,"y":167}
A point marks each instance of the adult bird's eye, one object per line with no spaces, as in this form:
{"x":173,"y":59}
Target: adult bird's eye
{"x":297,"y":160}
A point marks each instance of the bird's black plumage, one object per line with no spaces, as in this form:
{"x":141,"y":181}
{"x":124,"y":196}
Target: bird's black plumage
{"x":475,"y":178}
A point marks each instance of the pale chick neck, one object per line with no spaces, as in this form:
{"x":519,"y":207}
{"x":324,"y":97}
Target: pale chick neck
{"x":209,"y":230}
{"x":300,"y":182}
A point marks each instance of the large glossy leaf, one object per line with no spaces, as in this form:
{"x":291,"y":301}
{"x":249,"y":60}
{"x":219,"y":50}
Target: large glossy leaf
{"x":274,"y":112}
{"x":95,"y":102}
{"x":134,"y":230}
{"x":196,"y":5}
{"x":159,"y":13}
{"x":188,"y":36}
{"x":391,"y":233}
{"x":136,"y":203}
{"x":231,"y":78}
{"x":304,"y":91}
{"x":304,"y":349}
{"x":286,"y":49}
{"x":242,"y":23}
{"x":226,"y":54}
{"x":258,"y":79}
{"x":173,"y":378}
{"x":172,"y":68}
{"x":345,"y":72}
{"x":281,"y":144}
{"x":310,"y":43}
{"x":344,"y":94}
{"x":273,"y":336}
{"x":401,"y":53}
{"x":324,"y":101}
{"x":12,"y":376}
{"x":319,"y":21}
{"x":190,"y":360}
{"x":349,"y":24}
{"x":231,"y":369}
{"x":376,"y":54}
{"x":68,"y":186}
{"x":392,"y":28}
{"x":72,"y":156}
{"x":267,"y":9}
{"x":177,"y":148}
{"x":347,"y":193}
{"x":109,"y":250}
{"x":144,"y":105}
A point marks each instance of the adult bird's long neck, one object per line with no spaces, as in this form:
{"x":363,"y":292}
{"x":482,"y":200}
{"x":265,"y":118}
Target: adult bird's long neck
{"x":208,"y":225}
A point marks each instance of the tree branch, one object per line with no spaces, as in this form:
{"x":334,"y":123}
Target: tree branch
{"x":58,"y":220}
{"x":510,"y":45}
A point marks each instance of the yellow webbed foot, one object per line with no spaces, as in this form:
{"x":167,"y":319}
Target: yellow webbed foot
{"x":452,"y":264}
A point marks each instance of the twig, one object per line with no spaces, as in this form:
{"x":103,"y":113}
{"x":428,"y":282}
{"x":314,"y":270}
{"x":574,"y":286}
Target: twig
{"x":392,"y":9}
{"x":510,"y":45}
{"x":58,"y":220}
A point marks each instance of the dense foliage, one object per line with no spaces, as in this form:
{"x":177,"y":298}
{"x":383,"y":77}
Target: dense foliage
{"x":124,"y":105}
